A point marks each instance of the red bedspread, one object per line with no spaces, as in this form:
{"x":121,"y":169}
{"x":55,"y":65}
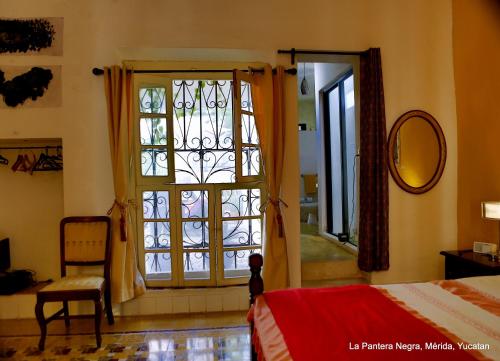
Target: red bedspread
{"x":354,"y":323}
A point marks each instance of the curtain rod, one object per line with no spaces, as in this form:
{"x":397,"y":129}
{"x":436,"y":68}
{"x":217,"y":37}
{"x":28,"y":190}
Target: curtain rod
{"x":294,"y":51}
{"x":98,"y":71}
{"x":40,"y":147}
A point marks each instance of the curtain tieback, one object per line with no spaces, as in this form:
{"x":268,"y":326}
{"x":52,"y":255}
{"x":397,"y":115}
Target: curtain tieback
{"x":279,"y":219}
{"x":123,"y":216}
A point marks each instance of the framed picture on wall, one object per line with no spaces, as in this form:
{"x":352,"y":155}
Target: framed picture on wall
{"x":30,"y":86}
{"x":31,"y":36}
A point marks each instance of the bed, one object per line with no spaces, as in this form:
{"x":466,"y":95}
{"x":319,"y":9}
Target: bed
{"x":440,"y":320}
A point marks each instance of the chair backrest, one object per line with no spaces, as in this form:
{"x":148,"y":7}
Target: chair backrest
{"x":85,"y":241}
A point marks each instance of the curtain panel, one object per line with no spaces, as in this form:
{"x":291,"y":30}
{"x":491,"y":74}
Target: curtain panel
{"x":268,"y":105}
{"x":126,"y":281}
{"x":373,"y":181}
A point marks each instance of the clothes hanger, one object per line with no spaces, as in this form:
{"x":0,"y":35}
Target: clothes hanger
{"x":18,"y":163}
{"x":28,"y":163}
{"x":3,"y":160}
{"x":46,"y":162}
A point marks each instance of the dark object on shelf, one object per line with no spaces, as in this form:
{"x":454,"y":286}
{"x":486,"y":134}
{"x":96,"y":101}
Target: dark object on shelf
{"x":31,"y":84}
{"x":4,"y":255}
{"x":460,"y":264}
{"x":14,"y":281}
{"x":25,"y":35}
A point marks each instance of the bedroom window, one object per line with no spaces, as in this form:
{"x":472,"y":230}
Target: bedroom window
{"x":198,"y":180}
{"x":341,"y":158}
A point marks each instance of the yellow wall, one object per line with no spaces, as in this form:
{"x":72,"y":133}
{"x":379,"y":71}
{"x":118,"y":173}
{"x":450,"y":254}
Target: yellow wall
{"x":415,"y":38}
{"x":476,"y":49}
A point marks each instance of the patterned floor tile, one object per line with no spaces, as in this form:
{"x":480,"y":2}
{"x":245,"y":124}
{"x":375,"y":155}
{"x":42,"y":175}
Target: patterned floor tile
{"x":187,"y":345}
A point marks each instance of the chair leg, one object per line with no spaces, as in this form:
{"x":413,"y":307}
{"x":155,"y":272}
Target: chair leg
{"x":98,"y":315}
{"x":66,"y":313}
{"x":43,"y":325}
{"x":108,"y":307}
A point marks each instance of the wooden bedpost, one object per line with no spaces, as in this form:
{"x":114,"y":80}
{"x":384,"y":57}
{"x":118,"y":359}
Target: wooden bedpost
{"x":256,"y":287}
{"x":256,"y":283}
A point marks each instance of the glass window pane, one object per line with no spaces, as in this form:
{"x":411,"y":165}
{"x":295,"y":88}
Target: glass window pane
{"x":187,"y":167}
{"x":350,"y":152}
{"x":152,"y":100}
{"x":201,"y":347}
{"x":240,"y":202}
{"x":203,"y":131}
{"x":250,"y":161}
{"x":156,"y":235}
{"x":155,"y":204}
{"x":196,"y":265}
{"x":154,"y":162}
{"x":195,"y":234}
{"x":246,"y":97}
{"x":249,"y":130}
{"x":193,"y":167}
{"x":241,"y":232}
{"x":219,"y":167}
{"x":336,"y":162}
{"x":349,"y":92}
{"x":153,"y":131}
{"x":194,"y":204}
{"x":158,"y":266}
{"x":236,"y":262}
{"x":233,"y":344}
{"x":202,"y":114}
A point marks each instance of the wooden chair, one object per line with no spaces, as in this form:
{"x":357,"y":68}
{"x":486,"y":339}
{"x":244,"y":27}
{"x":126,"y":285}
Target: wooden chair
{"x":85,"y":241}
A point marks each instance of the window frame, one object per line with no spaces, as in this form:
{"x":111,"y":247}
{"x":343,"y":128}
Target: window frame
{"x":182,"y":281}
{"x":141,"y":250}
{"x":168,"y":183}
{"x":148,"y":80}
{"x":238,"y":77}
{"x":220,"y":219}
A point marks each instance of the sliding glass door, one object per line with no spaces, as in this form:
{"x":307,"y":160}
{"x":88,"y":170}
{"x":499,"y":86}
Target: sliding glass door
{"x":340,"y":158}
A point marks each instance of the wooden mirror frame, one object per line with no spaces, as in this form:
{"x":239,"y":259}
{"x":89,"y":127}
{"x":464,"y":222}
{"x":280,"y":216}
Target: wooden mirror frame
{"x":442,"y":151}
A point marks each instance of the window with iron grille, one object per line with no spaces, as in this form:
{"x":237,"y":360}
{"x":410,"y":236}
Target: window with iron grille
{"x":199,"y":180}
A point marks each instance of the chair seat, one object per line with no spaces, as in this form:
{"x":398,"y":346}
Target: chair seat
{"x":75,"y":283}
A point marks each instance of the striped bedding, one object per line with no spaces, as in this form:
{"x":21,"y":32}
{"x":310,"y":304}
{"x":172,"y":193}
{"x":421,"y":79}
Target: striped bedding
{"x":465,"y":311}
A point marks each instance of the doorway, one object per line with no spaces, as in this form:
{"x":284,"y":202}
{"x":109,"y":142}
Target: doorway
{"x":328,"y":143}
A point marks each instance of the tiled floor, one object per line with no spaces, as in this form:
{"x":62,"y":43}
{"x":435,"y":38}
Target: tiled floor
{"x":190,"y":345}
{"x":29,"y":327}
{"x":193,"y":337}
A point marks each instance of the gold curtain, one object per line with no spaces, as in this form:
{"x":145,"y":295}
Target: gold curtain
{"x":126,"y":281}
{"x":268,"y":102}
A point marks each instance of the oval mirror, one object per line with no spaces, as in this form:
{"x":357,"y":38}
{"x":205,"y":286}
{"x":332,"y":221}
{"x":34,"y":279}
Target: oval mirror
{"x":417,"y":151}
